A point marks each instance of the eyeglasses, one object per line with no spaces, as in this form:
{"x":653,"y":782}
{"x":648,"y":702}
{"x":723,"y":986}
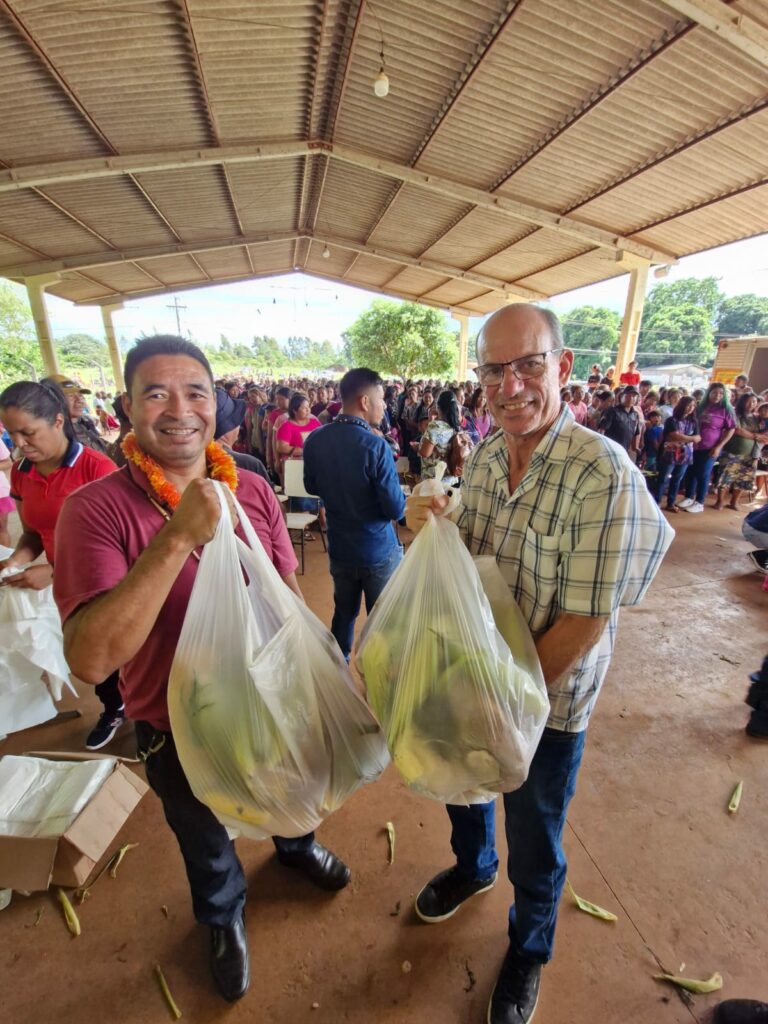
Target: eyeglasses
{"x":525,"y":368}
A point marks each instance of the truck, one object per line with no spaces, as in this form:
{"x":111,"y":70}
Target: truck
{"x":746,"y":354}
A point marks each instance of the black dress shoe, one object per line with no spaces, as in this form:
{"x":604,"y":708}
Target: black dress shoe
{"x":320,"y":865}
{"x":517,"y":990}
{"x":230,"y":963}
{"x":741,"y":1011}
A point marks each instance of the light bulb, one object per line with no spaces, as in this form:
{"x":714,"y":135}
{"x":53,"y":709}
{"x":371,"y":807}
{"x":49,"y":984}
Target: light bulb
{"x":381,"y":84}
{"x":326,"y":253}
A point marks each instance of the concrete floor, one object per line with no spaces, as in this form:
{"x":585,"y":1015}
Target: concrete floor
{"x":648,"y":838}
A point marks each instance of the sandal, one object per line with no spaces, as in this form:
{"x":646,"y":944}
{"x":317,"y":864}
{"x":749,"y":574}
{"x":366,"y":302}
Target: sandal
{"x":672,"y":508}
{"x":308,"y":536}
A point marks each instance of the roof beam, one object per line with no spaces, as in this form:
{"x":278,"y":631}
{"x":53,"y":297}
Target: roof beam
{"x":569,"y":226}
{"x":100,"y":259}
{"x":391,"y":292}
{"x":14,"y":178}
{"x":105,"y":259}
{"x":113,"y":296}
{"x":739,"y":30}
{"x":441,"y":269}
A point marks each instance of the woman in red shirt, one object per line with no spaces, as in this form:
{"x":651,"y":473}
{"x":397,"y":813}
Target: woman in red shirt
{"x":290,"y":443}
{"x":53,"y":465}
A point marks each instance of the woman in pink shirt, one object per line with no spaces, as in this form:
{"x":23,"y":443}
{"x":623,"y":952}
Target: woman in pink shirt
{"x":6,"y":501}
{"x":290,"y":444}
{"x":577,"y":405}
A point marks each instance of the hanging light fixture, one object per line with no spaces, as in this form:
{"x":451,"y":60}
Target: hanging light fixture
{"x":381,"y":81}
{"x":661,"y":272}
{"x":326,"y":253}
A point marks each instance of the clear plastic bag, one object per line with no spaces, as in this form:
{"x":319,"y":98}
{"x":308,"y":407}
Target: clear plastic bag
{"x":33,"y":670}
{"x":452,"y":673}
{"x":269,"y":727}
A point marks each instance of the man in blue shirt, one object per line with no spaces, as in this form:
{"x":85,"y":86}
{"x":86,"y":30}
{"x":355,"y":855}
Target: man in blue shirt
{"x":350,"y":466}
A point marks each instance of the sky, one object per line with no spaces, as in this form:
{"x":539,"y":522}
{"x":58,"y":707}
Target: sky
{"x":296,"y":304}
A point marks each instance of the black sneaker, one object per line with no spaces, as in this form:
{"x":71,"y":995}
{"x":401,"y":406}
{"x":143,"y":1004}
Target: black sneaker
{"x":514,"y":999}
{"x":106,"y":727}
{"x":759,"y":559}
{"x":741,"y":1011}
{"x":442,"y":897}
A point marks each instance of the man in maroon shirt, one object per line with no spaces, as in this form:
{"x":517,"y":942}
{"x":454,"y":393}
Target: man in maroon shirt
{"x":123,"y":578}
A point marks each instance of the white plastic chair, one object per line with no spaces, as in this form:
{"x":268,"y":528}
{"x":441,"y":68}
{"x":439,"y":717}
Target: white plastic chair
{"x":293,"y":487}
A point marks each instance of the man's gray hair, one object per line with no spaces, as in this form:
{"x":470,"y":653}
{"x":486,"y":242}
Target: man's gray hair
{"x":555,"y":327}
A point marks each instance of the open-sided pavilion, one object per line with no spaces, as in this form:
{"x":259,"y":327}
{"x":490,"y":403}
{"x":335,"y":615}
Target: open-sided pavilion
{"x":525,"y":147}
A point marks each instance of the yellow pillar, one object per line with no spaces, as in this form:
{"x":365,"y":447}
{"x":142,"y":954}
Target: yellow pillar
{"x":633,"y":315}
{"x":463,"y":343}
{"x":36,"y":294}
{"x":114,"y":350}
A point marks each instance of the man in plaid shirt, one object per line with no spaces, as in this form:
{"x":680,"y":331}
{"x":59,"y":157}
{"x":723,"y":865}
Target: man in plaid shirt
{"x":576,"y":535}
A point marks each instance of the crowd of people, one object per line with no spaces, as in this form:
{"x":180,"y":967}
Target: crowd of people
{"x":552,"y":486}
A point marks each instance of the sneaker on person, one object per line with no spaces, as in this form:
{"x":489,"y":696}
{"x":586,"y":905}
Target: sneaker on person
{"x":516,"y":994}
{"x":443,"y":895}
{"x":686,"y":503}
{"x":104,"y":730}
{"x":695,"y":507}
{"x":759,"y":559}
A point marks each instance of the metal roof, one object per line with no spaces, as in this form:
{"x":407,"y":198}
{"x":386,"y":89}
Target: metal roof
{"x":526,"y":147}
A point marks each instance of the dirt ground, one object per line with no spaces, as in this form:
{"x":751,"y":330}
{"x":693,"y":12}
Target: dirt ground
{"x":648,"y":837}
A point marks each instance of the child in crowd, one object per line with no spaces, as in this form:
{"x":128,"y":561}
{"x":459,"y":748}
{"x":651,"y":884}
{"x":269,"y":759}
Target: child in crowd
{"x":652,"y":441}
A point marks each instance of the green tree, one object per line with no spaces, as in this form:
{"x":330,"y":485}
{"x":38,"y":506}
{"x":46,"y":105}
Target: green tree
{"x":403,"y":340}
{"x":82,"y":350}
{"x":743,"y":314}
{"x":593,"y":330}
{"x":679,"y":322}
{"x":225,"y":344}
{"x":20,"y":357}
{"x":267,"y":353}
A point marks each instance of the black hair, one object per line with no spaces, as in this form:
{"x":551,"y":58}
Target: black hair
{"x":162,"y":345}
{"x":474,"y":398}
{"x":44,"y":401}
{"x":449,"y":411}
{"x":297,"y":400}
{"x":741,"y":403}
{"x":682,"y":404}
{"x":356,"y":382}
{"x":120,"y":413}
{"x":284,"y":392}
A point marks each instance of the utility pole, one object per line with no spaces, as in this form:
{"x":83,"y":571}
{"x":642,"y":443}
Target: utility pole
{"x":176,"y":307}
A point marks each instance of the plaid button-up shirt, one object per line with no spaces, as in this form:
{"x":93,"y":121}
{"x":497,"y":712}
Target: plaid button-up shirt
{"x":581,"y":534}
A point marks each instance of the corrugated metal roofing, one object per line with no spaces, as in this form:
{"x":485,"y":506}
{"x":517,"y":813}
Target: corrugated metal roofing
{"x":151,"y":146}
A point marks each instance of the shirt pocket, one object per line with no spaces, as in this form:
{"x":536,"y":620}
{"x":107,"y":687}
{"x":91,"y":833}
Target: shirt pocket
{"x":539,"y":562}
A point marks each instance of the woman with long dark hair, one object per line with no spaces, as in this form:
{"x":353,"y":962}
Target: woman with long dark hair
{"x":53,"y":465}
{"x":680,"y":433}
{"x":717,"y":424}
{"x":478,"y":419}
{"x":740,"y":454}
{"x":436,"y":439}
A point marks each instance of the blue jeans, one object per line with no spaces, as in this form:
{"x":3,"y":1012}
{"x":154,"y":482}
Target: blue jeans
{"x":535,"y":819}
{"x":701,"y":471}
{"x":214,"y":871}
{"x":350,"y":582}
{"x":669,"y":476}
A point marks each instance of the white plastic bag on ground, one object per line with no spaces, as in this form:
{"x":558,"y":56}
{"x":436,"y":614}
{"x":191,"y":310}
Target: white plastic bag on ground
{"x":270,"y":730}
{"x":452,"y":673}
{"x":33,"y":671}
{"x":42,"y":798}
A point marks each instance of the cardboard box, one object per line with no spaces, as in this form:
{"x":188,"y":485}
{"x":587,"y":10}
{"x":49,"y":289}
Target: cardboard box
{"x":68,"y":860}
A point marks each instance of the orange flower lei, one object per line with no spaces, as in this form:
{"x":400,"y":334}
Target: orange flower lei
{"x":221,"y":466}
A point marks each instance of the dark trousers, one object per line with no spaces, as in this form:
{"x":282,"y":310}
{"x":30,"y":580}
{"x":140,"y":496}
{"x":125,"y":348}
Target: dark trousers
{"x":697,"y":482}
{"x":109,"y":693}
{"x":350,"y":583}
{"x":535,"y":818}
{"x":668,"y":481}
{"x":215,"y":873}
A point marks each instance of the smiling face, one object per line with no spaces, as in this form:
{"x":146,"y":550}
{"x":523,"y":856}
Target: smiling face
{"x":716,"y":395}
{"x":528,"y":407}
{"x":173,"y":409}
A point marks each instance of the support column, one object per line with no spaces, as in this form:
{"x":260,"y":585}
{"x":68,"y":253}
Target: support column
{"x":463,"y":319}
{"x":114,"y":350}
{"x":633,"y":315}
{"x":36,"y":294}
